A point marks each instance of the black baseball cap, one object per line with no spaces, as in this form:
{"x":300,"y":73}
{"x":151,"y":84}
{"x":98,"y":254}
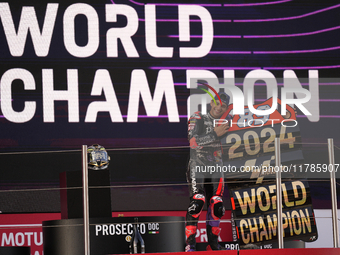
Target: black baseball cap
{"x":224,"y":97}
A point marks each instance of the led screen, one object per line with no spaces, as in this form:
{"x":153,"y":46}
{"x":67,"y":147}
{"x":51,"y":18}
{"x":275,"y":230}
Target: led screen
{"x":119,"y":73}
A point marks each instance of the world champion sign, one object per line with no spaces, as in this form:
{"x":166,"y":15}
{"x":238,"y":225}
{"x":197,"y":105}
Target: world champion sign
{"x":248,"y":147}
{"x":255,"y":217}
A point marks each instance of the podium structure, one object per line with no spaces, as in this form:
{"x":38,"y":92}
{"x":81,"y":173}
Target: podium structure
{"x":15,"y":250}
{"x":71,"y":198}
{"x":113,"y":235}
{"x":107,"y":235}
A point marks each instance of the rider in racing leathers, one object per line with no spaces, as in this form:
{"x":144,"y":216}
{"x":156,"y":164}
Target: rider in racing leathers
{"x":205,"y":150}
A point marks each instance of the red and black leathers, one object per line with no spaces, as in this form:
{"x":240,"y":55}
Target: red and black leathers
{"x":204,"y":185}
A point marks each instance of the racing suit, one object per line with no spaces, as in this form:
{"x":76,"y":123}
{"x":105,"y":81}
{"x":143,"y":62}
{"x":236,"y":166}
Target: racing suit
{"x":204,"y":185}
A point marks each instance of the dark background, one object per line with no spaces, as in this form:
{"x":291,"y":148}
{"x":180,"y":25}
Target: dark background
{"x":34,"y":153}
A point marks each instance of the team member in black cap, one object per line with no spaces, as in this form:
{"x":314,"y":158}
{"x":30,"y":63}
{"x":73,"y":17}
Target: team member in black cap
{"x":205,"y":150}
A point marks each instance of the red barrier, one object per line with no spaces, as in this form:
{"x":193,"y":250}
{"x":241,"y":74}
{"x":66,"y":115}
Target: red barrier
{"x":229,"y":252}
{"x":298,"y":251}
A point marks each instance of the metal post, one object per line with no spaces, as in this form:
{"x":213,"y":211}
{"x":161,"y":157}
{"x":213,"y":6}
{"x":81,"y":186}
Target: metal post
{"x":86,"y":201}
{"x":333,"y":192}
{"x":278,"y":193}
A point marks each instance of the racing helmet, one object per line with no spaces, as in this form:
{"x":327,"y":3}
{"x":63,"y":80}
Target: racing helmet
{"x":97,"y":157}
